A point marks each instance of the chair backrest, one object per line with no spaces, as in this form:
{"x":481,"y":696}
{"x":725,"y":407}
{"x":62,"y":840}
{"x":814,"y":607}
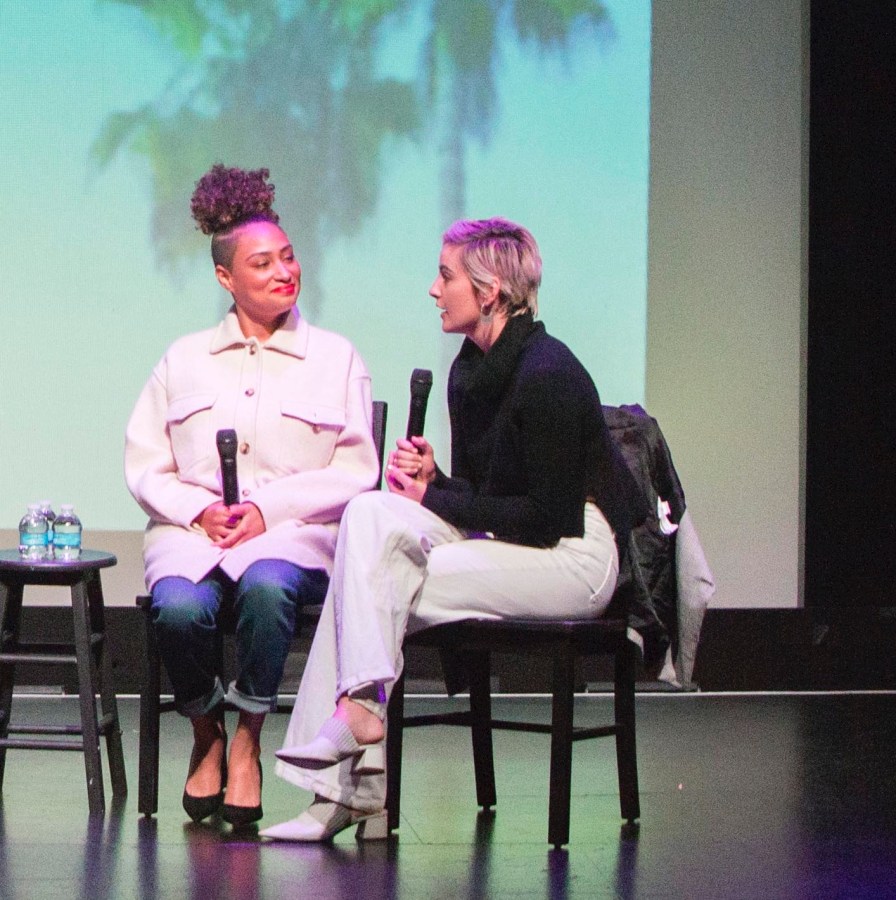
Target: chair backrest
{"x":378,"y":426}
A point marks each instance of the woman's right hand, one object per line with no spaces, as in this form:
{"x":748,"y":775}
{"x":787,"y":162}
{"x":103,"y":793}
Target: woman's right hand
{"x":216,"y":521}
{"x":415,"y":458}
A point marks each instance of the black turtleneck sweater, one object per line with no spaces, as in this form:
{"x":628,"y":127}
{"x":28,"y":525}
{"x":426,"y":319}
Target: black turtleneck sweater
{"x":529,"y":444}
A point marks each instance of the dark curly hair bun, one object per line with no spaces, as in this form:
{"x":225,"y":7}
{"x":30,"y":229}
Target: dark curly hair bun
{"x":225,"y":198}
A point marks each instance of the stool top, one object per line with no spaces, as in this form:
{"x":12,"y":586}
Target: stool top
{"x":12,"y":563}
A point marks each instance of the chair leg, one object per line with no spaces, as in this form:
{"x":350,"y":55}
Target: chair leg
{"x":626,"y":749}
{"x":108,"y":699}
{"x":481,"y":728}
{"x":150,"y":690}
{"x":561,"y":746}
{"x":394,"y":746}
{"x":87,"y":690}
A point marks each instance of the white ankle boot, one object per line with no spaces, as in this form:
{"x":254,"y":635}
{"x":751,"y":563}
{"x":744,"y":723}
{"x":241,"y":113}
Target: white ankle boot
{"x":324,"y":819}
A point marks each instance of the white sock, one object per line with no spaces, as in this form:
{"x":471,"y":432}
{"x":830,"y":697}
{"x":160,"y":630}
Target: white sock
{"x":336,"y":731}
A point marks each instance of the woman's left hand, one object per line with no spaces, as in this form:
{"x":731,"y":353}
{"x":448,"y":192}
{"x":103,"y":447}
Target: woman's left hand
{"x":400,"y":483}
{"x":250,"y":524}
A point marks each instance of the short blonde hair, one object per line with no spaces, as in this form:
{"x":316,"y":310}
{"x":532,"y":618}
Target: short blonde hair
{"x":499,"y":249}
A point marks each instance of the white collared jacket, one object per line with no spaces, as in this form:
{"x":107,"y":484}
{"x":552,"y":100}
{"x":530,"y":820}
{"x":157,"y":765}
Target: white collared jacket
{"x":301,"y":407}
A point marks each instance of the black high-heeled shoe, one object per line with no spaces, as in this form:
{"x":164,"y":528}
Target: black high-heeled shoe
{"x":241,"y":816}
{"x":199,"y":808}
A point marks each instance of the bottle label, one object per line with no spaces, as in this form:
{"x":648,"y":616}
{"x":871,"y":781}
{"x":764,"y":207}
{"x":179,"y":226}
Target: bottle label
{"x":67,"y":540}
{"x":33,"y":540}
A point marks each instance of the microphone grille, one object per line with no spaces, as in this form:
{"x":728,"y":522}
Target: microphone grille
{"x":421,"y":382}
{"x":226,"y":438}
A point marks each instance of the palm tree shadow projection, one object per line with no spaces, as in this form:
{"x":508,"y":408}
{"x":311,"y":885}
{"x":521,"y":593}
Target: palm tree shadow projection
{"x":291,"y":85}
{"x":461,"y":53}
{"x":288,"y":86}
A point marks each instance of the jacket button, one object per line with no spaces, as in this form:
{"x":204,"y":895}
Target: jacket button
{"x":315,"y":428}
{"x":244,"y":448}
{"x":250,"y":392}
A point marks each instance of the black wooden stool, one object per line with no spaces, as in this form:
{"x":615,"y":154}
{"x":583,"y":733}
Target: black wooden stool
{"x":88,"y":653}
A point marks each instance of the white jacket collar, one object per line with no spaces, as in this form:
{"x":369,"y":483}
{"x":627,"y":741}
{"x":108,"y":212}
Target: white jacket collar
{"x":291,"y":337}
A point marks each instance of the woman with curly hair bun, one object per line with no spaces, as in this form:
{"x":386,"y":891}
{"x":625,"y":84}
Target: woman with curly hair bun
{"x":299,"y":400}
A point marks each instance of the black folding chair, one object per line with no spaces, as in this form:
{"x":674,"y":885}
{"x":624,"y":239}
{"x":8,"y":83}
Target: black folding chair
{"x":472,"y":641}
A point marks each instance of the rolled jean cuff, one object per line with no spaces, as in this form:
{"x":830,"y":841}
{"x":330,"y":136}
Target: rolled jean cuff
{"x":194,"y":708}
{"x":250,"y":704}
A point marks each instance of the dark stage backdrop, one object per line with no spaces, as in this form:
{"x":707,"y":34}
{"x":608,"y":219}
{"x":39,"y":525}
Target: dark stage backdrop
{"x":851,"y":436}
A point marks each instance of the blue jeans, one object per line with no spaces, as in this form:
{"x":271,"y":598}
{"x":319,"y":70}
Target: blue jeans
{"x":264,"y":601}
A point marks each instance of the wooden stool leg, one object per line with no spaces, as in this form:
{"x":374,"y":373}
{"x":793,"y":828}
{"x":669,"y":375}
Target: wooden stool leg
{"x":108,"y":700}
{"x":87,"y":690}
{"x":150,"y":691}
{"x":481,"y":728}
{"x":626,"y":749}
{"x":10,"y":618}
{"x":394,"y":747}
{"x":561,"y":746}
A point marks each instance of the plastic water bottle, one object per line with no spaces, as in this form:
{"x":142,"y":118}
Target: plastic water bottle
{"x":46,"y":510}
{"x":67,"y":534}
{"x":33,"y":534}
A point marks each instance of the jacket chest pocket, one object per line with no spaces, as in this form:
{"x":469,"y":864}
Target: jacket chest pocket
{"x":308,"y":434}
{"x":190,"y":429}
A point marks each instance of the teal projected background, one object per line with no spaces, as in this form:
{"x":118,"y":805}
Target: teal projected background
{"x":381,"y":123}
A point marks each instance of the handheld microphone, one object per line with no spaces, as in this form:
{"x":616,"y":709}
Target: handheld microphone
{"x":421,"y":383}
{"x":226,"y":441}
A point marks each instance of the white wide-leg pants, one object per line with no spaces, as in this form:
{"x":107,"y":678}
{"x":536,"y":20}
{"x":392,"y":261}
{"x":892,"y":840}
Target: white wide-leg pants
{"x":400,"y":568}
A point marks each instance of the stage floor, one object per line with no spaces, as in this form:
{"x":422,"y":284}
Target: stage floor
{"x":742,"y":796}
